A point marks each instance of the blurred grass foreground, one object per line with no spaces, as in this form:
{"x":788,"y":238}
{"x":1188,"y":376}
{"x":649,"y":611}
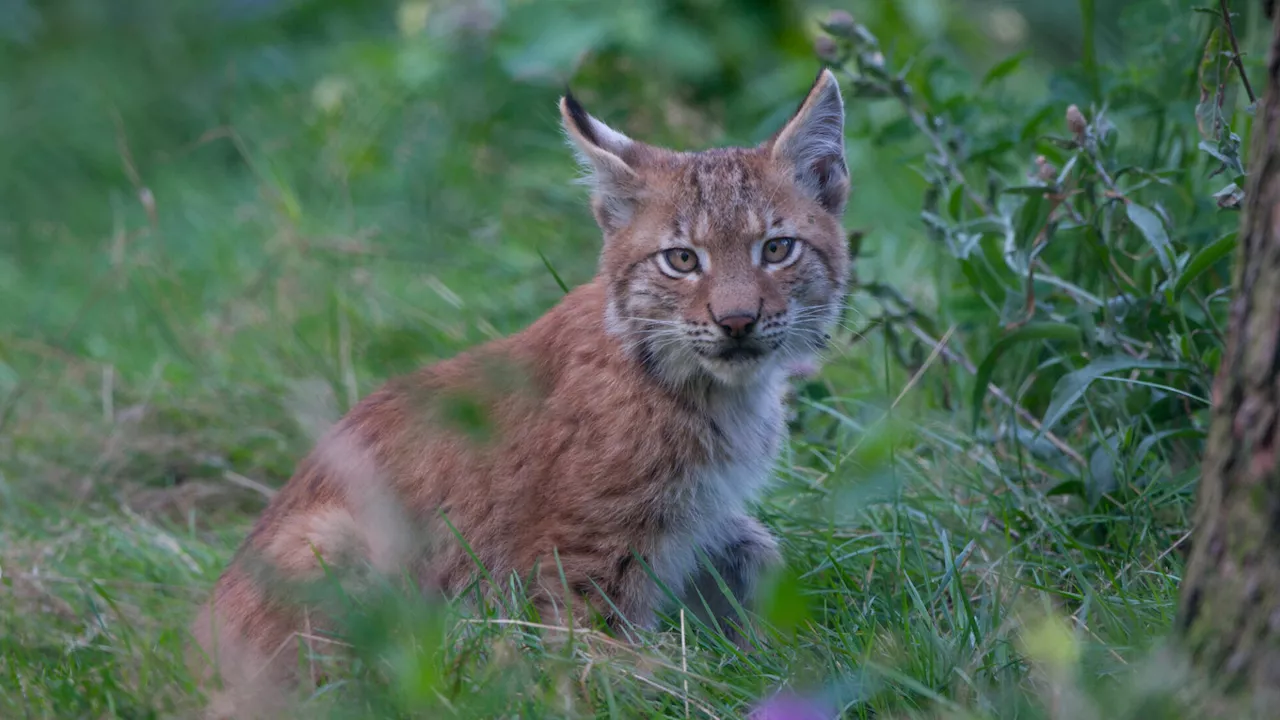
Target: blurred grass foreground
{"x":221,"y":223}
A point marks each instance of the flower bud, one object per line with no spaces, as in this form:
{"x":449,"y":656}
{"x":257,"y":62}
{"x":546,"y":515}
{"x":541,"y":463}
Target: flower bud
{"x":1076,"y":122}
{"x":1045,"y":170}
{"x":827,"y":49}
{"x":841,"y":24}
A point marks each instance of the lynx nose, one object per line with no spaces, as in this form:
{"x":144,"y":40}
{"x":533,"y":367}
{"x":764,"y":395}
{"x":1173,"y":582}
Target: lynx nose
{"x":738,"y":325}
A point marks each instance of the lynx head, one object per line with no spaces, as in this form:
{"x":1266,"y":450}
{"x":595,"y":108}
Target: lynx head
{"x":728,"y":263}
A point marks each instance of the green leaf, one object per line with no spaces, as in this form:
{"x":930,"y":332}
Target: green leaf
{"x":466,"y":414}
{"x":1032,"y":190}
{"x":1031,"y":128}
{"x":1032,"y":216}
{"x":1004,"y":68}
{"x":1217,"y":91}
{"x":868,"y":90}
{"x":1102,"y":470}
{"x":1072,"y":386}
{"x":1204,"y":259}
{"x":553,"y":272}
{"x":783,"y":604}
{"x":1149,"y":442}
{"x":1089,"y":61}
{"x":1067,"y":487}
{"x":1031,"y":331}
{"x":955,"y":202}
{"x":1212,"y":358}
{"x":1151,"y":227}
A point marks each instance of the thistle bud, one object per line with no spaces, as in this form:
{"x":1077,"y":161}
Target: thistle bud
{"x":826,"y":49}
{"x":1076,"y":122}
{"x":840,"y":24}
{"x":1045,"y":171}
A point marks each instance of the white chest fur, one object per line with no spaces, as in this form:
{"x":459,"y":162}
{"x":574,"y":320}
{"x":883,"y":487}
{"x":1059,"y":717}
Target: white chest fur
{"x":705,"y":500}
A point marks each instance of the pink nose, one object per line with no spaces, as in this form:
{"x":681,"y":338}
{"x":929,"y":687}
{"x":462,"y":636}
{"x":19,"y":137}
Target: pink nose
{"x":738,"y":325}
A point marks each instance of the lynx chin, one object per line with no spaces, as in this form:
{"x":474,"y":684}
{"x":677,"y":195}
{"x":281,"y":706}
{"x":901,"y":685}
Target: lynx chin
{"x":638,"y":419}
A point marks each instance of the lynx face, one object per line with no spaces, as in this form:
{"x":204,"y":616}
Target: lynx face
{"x":728,"y":263}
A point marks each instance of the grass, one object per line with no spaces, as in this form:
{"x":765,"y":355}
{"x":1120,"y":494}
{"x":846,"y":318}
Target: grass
{"x":918,"y":556}
{"x":180,"y":320}
{"x":910,"y":584}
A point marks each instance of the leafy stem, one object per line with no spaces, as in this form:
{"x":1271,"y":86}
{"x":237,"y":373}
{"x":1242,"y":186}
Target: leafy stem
{"x":1235,"y":50}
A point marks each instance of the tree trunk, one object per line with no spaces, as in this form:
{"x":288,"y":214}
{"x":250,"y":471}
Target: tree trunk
{"x":1230,"y":614}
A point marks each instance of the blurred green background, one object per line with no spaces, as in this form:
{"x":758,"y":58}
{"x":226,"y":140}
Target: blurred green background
{"x":221,"y":223}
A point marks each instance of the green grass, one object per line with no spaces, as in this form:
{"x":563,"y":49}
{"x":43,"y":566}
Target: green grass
{"x":916,"y":554}
{"x":198,"y":275}
{"x":914,"y":560}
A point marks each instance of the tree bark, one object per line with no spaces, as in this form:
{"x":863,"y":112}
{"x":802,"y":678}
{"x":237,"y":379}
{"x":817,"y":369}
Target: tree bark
{"x":1230,"y":613}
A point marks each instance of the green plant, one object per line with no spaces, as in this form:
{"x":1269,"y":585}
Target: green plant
{"x":221,"y":227}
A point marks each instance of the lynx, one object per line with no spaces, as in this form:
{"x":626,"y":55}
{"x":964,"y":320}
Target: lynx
{"x":637,"y":420}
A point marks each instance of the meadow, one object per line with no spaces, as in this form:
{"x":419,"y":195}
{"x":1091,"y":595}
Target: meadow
{"x":221,"y":224}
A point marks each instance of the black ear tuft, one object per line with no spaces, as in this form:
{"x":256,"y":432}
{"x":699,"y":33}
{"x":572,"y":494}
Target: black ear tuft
{"x":581,"y":120}
{"x":601,"y":150}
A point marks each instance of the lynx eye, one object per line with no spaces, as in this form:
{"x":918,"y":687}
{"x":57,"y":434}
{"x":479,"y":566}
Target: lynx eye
{"x":777,"y":250}
{"x":681,"y":260}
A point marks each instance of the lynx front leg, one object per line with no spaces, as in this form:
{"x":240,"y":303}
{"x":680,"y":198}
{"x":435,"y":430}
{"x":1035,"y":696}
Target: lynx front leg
{"x":746,"y":552}
{"x":618,"y":592}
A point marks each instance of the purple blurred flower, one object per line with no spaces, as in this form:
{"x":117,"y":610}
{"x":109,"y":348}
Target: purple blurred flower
{"x":806,"y":368}
{"x":785,"y":706}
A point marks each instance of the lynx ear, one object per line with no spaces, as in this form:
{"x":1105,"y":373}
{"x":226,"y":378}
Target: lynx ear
{"x":615,"y":185}
{"x":811,"y":145}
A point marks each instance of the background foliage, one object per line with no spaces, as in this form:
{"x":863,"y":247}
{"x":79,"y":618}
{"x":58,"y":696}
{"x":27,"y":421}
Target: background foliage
{"x":223,"y":223}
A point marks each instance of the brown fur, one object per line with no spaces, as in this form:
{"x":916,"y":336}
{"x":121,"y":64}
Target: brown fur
{"x":612,"y":427}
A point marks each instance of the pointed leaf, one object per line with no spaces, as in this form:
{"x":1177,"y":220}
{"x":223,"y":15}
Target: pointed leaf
{"x":1102,"y":471}
{"x":1033,"y":190}
{"x":1031,"y":331}
{"x":1217,"y":91}
{"x":1072,"y":386}
{"x":1152,"y":228}
{"x":553,"y":272}
{"x":1004,"y":68}
{"x":1204,"y":259}
{"x":1032,"y":216}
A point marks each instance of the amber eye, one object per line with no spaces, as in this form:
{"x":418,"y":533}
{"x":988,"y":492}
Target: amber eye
{"x":682,"y":260}
{"x":778,"y":249}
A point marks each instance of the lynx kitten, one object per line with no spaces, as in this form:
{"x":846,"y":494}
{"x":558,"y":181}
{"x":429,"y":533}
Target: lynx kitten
{"x":636,"y":419}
